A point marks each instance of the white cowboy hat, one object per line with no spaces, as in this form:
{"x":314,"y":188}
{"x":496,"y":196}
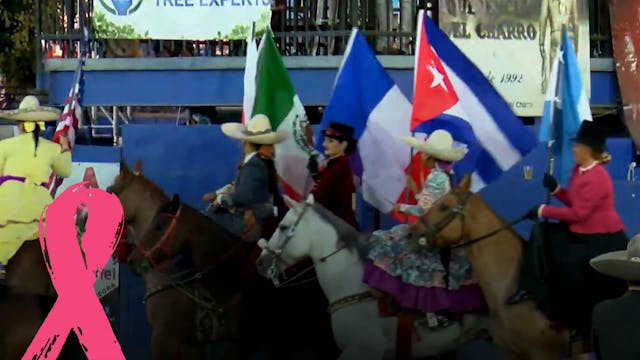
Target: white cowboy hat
{"x":623,"y":264}
{"x":30,"y":110}
{"x":440,"y":145}
{"x":258,"y":131}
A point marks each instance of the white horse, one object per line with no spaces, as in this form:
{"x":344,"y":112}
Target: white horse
{"x":309,"y":230}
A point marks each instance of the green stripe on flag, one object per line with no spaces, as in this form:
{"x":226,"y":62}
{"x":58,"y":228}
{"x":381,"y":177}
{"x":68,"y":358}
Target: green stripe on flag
{"x":274,"y":91}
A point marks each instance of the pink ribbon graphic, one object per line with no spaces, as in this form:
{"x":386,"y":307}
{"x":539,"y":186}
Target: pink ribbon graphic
{"x":77,"y":307}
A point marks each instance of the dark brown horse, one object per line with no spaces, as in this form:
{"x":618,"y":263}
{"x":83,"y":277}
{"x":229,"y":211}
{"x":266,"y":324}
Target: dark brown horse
{"x":172,"y":336}
{"x":462,"y":218}
{"x":214,"y":253}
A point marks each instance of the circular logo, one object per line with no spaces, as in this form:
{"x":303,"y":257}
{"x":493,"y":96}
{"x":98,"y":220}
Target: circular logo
{"x":121,"y":7}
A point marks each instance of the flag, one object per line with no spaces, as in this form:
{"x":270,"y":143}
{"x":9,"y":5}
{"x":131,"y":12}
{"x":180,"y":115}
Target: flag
{"x":433,"y":92}
{"x":276,"y":98}
{"x":69,"y":119}
{"x":481,"y":119}
{"x":566,"y":106}
{"x":251,"y":63}
{"x":366,"y":98}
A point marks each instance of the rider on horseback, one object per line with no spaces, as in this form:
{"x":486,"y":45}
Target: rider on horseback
{"x":334,"y":186}
{"x":590,"y":226}
{"x":26,"y":162}
{"x":421,"y":279}
{"x":244,"y":205}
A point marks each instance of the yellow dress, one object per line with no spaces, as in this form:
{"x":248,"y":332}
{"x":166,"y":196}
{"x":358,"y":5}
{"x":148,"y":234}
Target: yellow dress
{"x":22,"y":203}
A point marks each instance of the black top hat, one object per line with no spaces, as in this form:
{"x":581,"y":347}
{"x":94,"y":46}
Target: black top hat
{"x":341,"y":132}
{"x":592,"y":135}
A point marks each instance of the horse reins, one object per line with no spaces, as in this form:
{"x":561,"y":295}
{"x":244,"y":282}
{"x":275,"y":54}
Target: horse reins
{"x":458,"y":211}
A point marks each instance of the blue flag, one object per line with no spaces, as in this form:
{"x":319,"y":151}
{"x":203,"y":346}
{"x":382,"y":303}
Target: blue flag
{"x":565,"y":107}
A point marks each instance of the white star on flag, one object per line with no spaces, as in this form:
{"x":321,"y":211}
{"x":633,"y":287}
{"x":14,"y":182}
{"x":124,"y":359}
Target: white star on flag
{"x":438,"y":78}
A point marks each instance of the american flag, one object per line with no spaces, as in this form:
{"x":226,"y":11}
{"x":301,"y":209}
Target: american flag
{"x":69,"y":119}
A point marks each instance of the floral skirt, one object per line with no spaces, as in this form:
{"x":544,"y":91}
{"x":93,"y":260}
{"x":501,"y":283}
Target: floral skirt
{"x":417,"y":279}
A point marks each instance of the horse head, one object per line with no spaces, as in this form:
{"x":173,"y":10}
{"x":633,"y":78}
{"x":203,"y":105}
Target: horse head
{"x":444,"y":224}
{"x":292,"y":240}
{"x":127,"y":189}
{"x":160,"y":243}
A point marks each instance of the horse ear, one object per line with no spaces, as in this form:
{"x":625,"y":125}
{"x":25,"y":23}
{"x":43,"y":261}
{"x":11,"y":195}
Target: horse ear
{"x":291,"y":204}
{"x":137,"y":169}
{"x":175,"y":203}
{"x":124,"y":169}
{"x":465,"y":184}
{"x":310,"y":199}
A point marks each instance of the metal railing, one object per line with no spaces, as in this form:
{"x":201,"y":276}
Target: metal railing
{"x":302,"y":27}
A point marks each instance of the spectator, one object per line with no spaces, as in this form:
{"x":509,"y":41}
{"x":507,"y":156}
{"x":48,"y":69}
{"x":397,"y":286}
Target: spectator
{"x":615,"y":322}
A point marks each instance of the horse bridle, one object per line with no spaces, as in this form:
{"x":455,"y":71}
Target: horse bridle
{"x":165,"y":242}
{"x":452,"y":214}
{"x":277,"y":253}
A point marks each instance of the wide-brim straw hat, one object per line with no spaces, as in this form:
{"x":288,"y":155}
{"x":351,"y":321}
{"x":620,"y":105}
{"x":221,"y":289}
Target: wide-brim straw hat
{"x":30,"y":110}
{"x":258,"y":131}
{"x":623,"y":264}
{"x":440,"y":145}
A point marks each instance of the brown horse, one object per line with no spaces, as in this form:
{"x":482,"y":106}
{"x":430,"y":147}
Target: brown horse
{"x":495,"y":251}
{"x":172,"y":337}
{"x":215,"y":254}
{"x":26,"y":300}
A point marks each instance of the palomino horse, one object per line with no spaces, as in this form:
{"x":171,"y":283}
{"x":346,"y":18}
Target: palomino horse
{"x":494,"y":251}
{"x":171,"y":334}
{"x":309,"y":230}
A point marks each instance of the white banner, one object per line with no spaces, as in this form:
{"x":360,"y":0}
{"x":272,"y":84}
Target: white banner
{"x":179,"y":19}
{"x":100,"y":175}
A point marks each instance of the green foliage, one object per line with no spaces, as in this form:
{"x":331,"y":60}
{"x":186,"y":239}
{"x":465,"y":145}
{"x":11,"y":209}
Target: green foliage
{"x":17,"y":44}
{"x":242,"y":31}
{"x":106,"y":29}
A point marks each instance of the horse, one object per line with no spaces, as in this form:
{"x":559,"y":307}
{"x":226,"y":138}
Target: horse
{"x":171,"y":335}
{"x":338,"y":252}
{"x":177,"y":229}
{"x":461,"y":218}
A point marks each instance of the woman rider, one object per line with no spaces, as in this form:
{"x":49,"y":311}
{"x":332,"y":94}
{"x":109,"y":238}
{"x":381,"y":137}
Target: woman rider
{"x":251,"y":198}
{"x":26,"y":162}
{"x":334,"y":186}
{"x":416,"y":276}
{"x":590,"y":226}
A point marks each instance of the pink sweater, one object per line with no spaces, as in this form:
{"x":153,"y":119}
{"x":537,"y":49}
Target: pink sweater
{"x":589,"y":201}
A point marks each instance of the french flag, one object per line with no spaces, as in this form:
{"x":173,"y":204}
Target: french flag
{"x":497,"y":139}
{"x":366,"y":98}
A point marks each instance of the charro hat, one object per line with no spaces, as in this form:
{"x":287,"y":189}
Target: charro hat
{"x":30,"y":110}
{"x":440,"y":145}
{"x":623,"y":264}
{"x":258,"y":131}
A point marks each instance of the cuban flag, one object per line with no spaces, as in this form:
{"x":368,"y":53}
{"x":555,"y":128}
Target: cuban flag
{"x":566,"y":106}
{"x":366,"y":98}
{"x":496,"y":138}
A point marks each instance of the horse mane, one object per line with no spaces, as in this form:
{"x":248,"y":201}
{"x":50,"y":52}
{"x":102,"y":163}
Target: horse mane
{"x":348,"y":236}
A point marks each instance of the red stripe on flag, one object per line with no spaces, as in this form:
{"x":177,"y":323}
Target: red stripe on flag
{"x":290,"y":191}
{"x":433,"y":92}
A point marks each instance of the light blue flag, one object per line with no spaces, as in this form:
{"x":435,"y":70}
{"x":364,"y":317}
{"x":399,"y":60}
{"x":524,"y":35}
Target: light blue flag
{"x":566,"y":106}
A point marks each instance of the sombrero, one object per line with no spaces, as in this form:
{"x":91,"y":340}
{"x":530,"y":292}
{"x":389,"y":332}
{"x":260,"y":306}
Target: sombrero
{"x":258,"y":131}
{"x":30,"y":110}
{"x":623,"y":264}
{"x":440,"y":145}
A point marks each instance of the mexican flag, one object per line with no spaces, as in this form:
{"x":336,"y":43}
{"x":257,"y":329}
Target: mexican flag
{"x":272,"y":94}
